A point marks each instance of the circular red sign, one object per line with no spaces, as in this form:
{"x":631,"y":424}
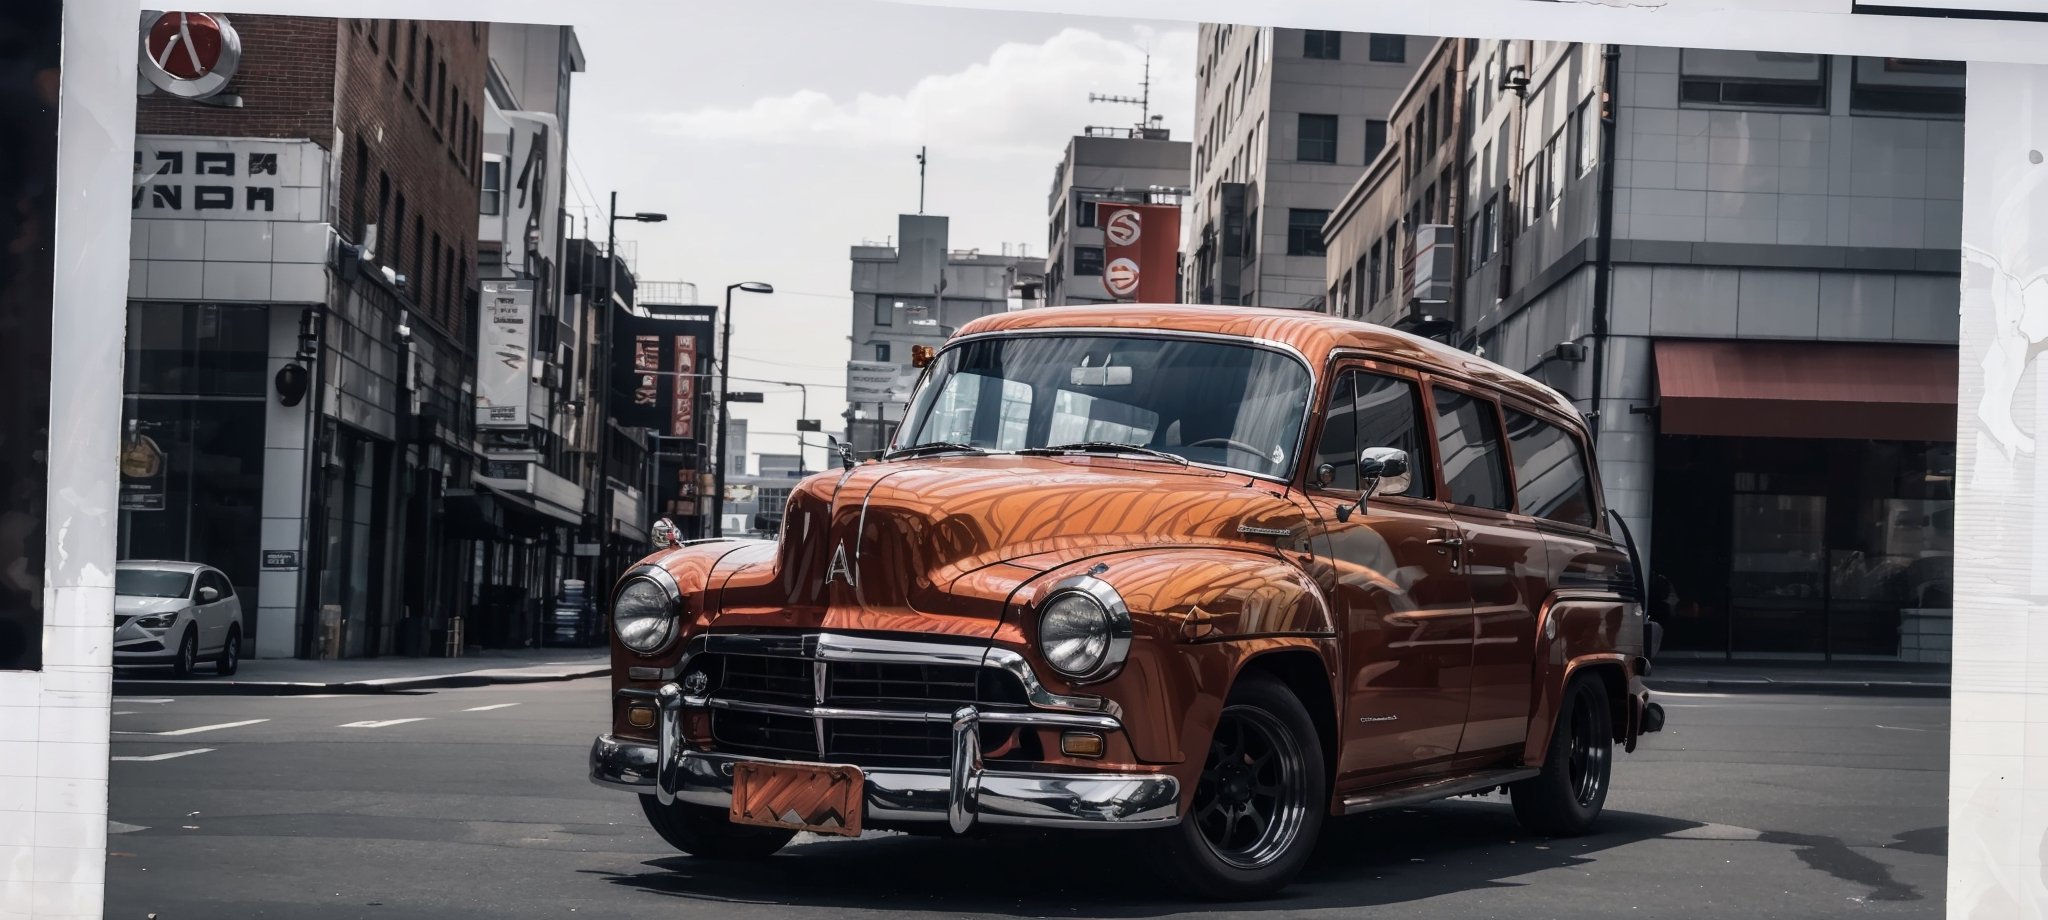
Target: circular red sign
{"x":1121,"y":277}
{"x":186,"y":45}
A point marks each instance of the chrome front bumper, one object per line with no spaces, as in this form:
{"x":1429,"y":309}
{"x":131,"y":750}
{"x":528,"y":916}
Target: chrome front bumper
{"x":899,"y":796}
{"x":961,"y":795}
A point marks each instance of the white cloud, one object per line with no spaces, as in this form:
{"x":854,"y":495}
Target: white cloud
{"x":1024,"y":98}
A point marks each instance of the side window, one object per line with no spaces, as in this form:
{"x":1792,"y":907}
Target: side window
{"x":1389,"y":416}
{"x":1339,"y":447}
{"x":1369,"y":410}
{"x":1468,"y":440}
{"x":1550,"y":471}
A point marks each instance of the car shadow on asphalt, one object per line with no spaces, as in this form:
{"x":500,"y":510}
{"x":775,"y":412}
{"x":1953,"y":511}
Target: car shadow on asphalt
{"x":1371,"y":860}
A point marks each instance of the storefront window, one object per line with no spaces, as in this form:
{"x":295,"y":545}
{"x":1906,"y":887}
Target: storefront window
{"x":1779,"y":548}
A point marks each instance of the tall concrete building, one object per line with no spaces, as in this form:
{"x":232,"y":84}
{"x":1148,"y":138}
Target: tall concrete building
{"x":916,"y":290}
{"x":1713,"y":254}
{"x":1286,"y":120}
{"x":1139,"y":165}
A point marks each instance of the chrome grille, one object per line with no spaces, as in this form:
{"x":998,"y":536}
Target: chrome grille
{"x":895,"y":686}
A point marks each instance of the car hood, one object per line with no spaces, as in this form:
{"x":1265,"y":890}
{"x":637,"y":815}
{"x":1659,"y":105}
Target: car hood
{"x":940,"y":545}
{"x":141,"y":606}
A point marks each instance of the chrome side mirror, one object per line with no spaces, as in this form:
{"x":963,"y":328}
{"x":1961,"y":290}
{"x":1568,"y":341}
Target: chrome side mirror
{"x":1381,"y":471}
{"x":208,"y":595}
{"x":843,"y":449}
{"x":666,"y":534}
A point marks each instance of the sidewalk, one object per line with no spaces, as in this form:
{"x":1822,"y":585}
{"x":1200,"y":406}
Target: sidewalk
{"x":283,"y":676}
{"x":1849,"y":678}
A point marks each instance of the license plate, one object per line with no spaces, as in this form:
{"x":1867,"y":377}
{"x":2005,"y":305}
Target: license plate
{"x":818,"y":798}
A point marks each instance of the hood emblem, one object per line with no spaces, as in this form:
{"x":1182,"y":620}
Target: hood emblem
{"x":839,"y":567}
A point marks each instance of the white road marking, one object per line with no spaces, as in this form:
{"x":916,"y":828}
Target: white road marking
{"x":193,"y":731}
{"x":131,"y":700}
{"x":1902,"y":728}
{"x":173,"y":754}
{"x":489,"y":708}
{"x":118,"y":713}
{"x":116,"y":827}
{"x":314,"y":696}
{"x":371,"y":723}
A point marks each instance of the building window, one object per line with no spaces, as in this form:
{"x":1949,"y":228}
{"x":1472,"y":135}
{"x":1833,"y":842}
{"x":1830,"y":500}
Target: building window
{"x":1318,"y":141}
{"x":1342,"y":295}
{"x":1558,"y":152}
{"x":1393,"y":263}
{"x":1084,"y":210}
{"x":1753,"y":78}
{"x":1388,"y":49}
{"x":1489,"y":230}
{"x":397,"y":249}
{"x":1532,"y":191}
{"x":1372,"y":279}
{"x":1359,"y":299}
{"x":1906,"y":86}
{"x":1322,"y":45}
{"x":493,"y":196}
{"x":1088,"y":261}
{"x":1589,"y":136}
{"x":1375,"y":138}
{"x":882,"y":351}
{"x":885,"y":312}
{"x":1305,"y":231}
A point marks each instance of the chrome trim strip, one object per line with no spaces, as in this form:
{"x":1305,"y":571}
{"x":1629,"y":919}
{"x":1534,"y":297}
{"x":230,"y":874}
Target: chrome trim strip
{"x":1081,"y":801}
{"x":1018,"y":667}
{"x":992,"y":717}
{"x":1433,"y":790}
{"x":1308,"y":400}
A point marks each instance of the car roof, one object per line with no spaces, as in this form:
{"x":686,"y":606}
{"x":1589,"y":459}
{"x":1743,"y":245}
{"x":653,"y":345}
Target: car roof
{"x":163,"y":565}
{"x":1314,"y":335}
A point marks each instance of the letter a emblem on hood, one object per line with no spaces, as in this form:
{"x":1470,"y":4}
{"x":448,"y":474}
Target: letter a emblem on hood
{"x":840,"y":567}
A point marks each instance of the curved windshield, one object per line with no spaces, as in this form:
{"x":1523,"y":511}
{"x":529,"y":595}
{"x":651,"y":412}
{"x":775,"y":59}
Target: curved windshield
{"x":1217,"y":403}
{"x":151,"y":583}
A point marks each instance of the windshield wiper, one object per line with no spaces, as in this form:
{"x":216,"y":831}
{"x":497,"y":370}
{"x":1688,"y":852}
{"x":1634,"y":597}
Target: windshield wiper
{"x":1102,"y":447}
{"x":935,"y":447}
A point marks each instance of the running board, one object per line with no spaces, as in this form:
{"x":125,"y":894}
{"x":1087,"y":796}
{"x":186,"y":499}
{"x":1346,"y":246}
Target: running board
{"x":1431,"y":790}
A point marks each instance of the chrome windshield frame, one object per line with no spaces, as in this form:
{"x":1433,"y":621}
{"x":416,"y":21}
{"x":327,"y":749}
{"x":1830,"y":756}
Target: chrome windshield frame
{"x":1286,"y":477}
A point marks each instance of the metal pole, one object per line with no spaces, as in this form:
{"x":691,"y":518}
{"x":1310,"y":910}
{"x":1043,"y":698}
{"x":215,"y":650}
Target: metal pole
{"x":724,"y":412}
{"x":803,"y":412}
{"x":604,"y":415}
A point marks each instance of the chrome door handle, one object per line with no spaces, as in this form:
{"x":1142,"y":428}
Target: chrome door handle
{"x":1446,"y":541}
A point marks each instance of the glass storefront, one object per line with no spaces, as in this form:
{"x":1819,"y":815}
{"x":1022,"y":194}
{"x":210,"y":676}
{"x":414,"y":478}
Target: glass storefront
{"x":193,"y":435}
{"x":1805,"y":549}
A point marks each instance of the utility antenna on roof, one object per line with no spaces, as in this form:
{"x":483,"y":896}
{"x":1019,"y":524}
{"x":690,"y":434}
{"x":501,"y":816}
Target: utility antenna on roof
{"x":1143,"y":101}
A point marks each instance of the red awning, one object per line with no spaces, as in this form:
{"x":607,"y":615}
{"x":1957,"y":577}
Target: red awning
{"x":1807,"y":390}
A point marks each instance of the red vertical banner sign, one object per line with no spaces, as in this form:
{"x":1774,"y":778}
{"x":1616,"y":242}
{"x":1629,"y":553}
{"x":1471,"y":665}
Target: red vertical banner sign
{"x":1141,"y":249}
{"x":683,"y":409}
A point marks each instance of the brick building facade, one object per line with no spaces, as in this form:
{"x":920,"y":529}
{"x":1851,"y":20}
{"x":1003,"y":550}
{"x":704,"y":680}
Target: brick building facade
{"x":346,"y":519}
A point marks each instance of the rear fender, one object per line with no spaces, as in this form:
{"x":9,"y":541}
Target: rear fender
{"x":1577,"y":632}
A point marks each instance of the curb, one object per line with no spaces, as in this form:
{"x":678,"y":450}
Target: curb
{"x":393,"y":685}
{"x":1885,"y":688}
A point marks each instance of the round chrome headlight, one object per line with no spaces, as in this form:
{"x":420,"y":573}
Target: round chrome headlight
{"x":1084,"y":630}
{"x":643,"y":614}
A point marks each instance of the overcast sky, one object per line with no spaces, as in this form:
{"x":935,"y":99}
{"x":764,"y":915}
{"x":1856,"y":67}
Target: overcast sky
{"x":777,"y":134}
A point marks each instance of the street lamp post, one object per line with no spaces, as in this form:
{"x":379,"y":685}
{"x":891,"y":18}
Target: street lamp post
{"x":724,"y":402}
{"x":604,"y":347}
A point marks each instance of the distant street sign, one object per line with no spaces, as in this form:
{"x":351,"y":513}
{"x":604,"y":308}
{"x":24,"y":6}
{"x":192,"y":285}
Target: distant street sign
{"x":870,"y":381}
{"x":743,"y":397}
{"x":280,"y":559}
{"x":809,"y":424}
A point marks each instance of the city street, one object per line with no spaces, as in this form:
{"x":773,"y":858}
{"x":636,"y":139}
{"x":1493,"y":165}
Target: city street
{"x":473,"y":803}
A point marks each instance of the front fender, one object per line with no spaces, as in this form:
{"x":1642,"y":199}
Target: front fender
{"x":1197,"y":616}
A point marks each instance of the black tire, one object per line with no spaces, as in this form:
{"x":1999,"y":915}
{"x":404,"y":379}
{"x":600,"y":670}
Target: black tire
{"x":705,"y":832}
{"x":1565,"y":799}
{"x":1264,"y":766}
{"x":188,"y":655}
{"x":230,"y":659}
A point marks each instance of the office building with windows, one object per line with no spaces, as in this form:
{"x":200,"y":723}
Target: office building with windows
{"x":1139,"y":165}
{"x":1286,"y":120}
{"x":912,"y":289}
{"x":1715,"y":254}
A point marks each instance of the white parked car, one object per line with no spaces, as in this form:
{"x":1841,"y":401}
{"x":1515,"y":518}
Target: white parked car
{"x":176,"y":613}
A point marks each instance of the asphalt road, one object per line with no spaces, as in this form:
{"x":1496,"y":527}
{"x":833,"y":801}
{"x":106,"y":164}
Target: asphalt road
{"x":473,"y":804}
